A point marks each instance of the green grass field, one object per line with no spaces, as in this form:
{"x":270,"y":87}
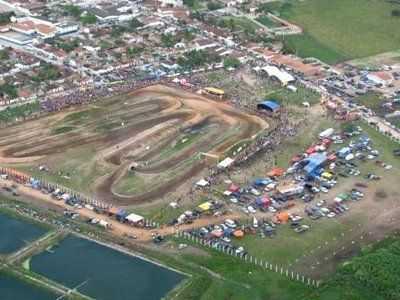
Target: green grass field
{"x":370,"y":100}
{"x":338,"y":30}
{"x":287,"y":97}
{"x":242,"y":23}
{"x":265,"y":20}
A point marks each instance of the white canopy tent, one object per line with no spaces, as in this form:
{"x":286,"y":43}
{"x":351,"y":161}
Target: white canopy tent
{"x":202,"y":182}
{"x":283,"y":76}
{"x":134,"y":218}
{"x":225,"y":163}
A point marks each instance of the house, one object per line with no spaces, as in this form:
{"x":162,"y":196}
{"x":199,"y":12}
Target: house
{"x":380,"y":78}
{"x":66,"y":27}
{"x":109,"y":12}
{"x":34,"y":27}
{"x":202,"y":44}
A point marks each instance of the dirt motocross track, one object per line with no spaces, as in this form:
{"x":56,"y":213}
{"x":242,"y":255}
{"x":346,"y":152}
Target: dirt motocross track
{"x":130,"y":133}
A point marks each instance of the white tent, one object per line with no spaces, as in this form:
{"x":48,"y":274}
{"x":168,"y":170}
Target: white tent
{"x":283,"y":76}
{"x":134,"y":218}
{"x":202,"y":182}
{"x":225,"y":163}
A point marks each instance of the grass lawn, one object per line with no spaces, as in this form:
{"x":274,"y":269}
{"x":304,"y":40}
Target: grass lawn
{"x":265,"y":20}
{"x":302,"y":141}
{"x":10,"y":114}
{"x":237,"y":280}
{"x":306,"y":45}
{"x":78,"y":171}
{"x":370,"y":100}
{"x":384,"y":145}
{"x":286,"y":97}
{"x":243,"y":23}
{"x":395,"y":121}
{"x":287,"y":245}
{"x":130,"y":184}
{"x":184,"y":141}
{"x":351,"y":29}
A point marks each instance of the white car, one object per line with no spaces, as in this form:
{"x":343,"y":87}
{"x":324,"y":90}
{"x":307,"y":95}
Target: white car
{"x":331,"y":215}
{"x":230,"y":223}
{"x":239,"y":250}
{"x":226,"y":239}
{"x":251,"y":209}
{"x":234,"y":200}
{"x":325,"y":210}
{"x":315,"y":189}
{"x":324,"y":189}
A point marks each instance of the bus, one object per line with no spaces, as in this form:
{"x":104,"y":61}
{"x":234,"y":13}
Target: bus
{"x":216,"y":92}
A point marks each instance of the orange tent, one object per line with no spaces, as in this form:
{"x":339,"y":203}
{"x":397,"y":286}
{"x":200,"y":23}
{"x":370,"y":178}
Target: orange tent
{"x":283,"y":217}
{"x":276,"y":172}
{"x":238,"y":233}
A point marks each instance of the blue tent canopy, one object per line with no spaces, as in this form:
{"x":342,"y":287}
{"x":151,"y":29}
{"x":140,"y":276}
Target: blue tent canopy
{"x":270,"y":105}
{"x":261,"y":181}
{"x":314,"y":163}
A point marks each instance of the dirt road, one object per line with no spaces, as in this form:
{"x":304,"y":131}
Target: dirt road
{"x":118,"y":229}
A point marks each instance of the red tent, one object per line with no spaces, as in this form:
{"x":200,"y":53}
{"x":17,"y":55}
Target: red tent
{"x":326,"y":142}
{"x":276,"y":172}
{"x":311,"y":150}
{"x":233,"y":188}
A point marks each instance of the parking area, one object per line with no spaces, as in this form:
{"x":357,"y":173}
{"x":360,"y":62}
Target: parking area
{"x":309,"y":214}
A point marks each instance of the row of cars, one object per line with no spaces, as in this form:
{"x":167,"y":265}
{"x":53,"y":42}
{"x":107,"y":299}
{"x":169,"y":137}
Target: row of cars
{"x":220,"y":236}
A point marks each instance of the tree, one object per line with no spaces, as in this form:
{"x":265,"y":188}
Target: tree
{"x":231,"y":62}
{"x":188,"y":35}
{"x":73,"y":10}
{"x":68,"y":46}
{"x":4,"y":54}
{"x":9,"y":90}
{"x":88,"y":19}
{"x":168,"y":40}
{"x":396,"y":12}
{"x":197,"y":58}
{"x":47,"y":72}
{"x":189,"y":3}
{"x":117,"y":31}
{"x":133,"y":51}
{"x":134,"y":24}
{"x":231,"y":24}
{"x":5,"y":18}
{"x":214,"y":5}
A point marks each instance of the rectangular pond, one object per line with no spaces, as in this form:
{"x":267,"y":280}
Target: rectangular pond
{"x":104,"y":273}
{"x":16,"y":233}
{"x":12,"y":288}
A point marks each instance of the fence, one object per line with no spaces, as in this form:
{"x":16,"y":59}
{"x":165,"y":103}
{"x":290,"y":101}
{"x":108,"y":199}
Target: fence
{"x":39,"y":184}
{"x":281,"y":270}
{"x":376,"y":127}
